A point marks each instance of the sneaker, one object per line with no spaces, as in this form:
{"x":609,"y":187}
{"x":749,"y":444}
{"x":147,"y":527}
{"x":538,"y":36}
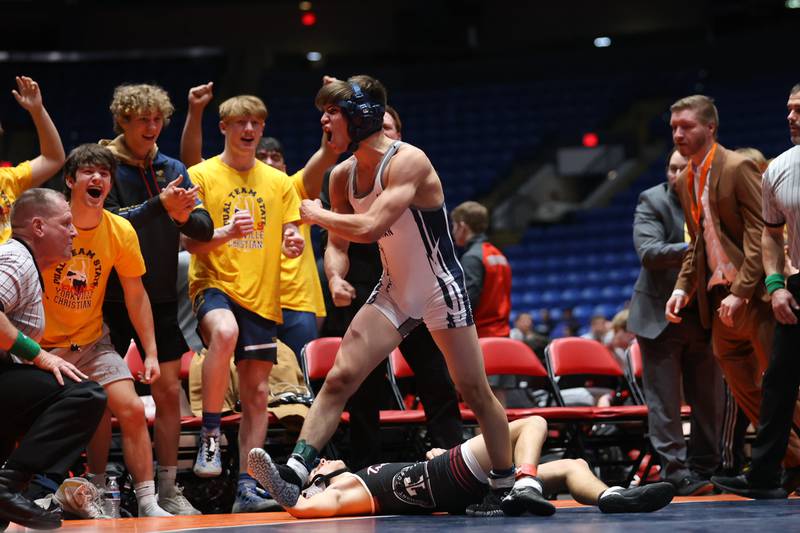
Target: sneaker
{"x":80,"y":498}
{"x":692,"y":485}
{"x":254,"y":500}
{"x":526,"y":499}
{"x":280,"y":480}
{"x":644,"y":499}
{"x":177,"y":504}
{"x":741,"y":485}
{"x":491,"y":505}
{"x":209,"y":459}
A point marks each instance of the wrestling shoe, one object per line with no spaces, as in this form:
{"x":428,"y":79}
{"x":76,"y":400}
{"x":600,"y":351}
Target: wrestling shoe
{"x":491,"y":505}
{"x":741,"y":485}
{"x":526,"y":499}
{"x":177,"y":504}
{"x":209,"y":459}
{"x":644,"y":499}
{"x":280,"y":480}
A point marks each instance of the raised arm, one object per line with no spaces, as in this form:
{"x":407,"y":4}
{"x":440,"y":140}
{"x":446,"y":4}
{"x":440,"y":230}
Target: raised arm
{"x":192,"y":136}
{"x":51,"y":157}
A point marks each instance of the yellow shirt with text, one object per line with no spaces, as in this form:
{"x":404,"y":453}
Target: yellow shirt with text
{"x":245,"y":269}
{"x":300,"y":286}
{"x":74,"y":290}
{"x":13,"y":182}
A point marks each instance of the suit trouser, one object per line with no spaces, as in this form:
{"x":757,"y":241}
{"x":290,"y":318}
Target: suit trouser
{"x":743,"y":352}
{"x":682,"y":354}
{"x":54,"y":422}
{"x":779,"y":397}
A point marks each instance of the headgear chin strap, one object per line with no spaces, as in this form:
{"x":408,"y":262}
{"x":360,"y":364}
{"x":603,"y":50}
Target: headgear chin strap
{"x":363,"y":116}
{"x":321,"y":482}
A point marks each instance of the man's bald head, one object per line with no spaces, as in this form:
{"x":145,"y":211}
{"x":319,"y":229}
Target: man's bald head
{"x":44,"y":203}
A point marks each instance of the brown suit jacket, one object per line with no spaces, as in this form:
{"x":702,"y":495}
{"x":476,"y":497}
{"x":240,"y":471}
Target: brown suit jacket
{"x":734,"y":192}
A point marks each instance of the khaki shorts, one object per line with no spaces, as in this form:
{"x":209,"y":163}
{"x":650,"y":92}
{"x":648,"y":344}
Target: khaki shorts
{"x":97,"y":360}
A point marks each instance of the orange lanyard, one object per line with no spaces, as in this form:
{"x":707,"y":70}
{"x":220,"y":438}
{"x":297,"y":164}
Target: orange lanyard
{"x":697,"y":205}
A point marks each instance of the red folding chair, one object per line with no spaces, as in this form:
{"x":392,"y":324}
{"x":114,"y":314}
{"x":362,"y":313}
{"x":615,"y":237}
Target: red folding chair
{"x":573,"y":360}
{"x":318,"y":357}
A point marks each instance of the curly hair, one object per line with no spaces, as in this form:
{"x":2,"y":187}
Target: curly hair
{"x":139,"y":98}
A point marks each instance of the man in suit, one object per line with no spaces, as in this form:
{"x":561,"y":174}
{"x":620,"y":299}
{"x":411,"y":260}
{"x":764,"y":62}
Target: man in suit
{"x":673,"y":353}
{"x":780,"y":210}
{"x":720,"y":193}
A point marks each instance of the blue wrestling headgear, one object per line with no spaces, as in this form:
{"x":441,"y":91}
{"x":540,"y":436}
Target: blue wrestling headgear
{"x":363,"y":116}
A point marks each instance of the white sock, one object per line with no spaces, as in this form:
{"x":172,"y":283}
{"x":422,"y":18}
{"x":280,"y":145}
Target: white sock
{"x":299,"y":469}
{"x":610,"y":490}
{"x":528,"y":481}
{"x":166,"y":481}
{"x":146,"y":498}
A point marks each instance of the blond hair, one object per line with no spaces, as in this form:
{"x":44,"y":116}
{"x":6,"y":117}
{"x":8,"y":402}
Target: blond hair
{"x":702,"y":105}
{"x":242,"y":106}
{"x":138,"y":99}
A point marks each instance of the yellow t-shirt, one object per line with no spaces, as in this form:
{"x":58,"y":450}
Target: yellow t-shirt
{"x":13,"y":182}
{"x":246,"y":269}
{"x":300,"y":286}
{"x":74,"y":290}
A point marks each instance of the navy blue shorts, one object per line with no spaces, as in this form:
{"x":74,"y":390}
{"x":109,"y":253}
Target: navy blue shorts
{"x":257,"y":335}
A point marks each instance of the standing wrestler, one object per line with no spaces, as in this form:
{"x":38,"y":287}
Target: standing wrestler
{"x":432,"y":381}
{"x":389,"y":192}
{"x":153,"y":192}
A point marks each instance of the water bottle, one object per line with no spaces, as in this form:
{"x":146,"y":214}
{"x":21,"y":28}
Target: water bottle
{"x":112,"y":503}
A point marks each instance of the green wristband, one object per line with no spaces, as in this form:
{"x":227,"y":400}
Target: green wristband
{"x":774,"y":282}
{"x":25,"y":347}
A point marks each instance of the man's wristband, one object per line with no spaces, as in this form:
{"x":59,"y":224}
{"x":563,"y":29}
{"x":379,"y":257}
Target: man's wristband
{"x":774,"y":282}
{"x":25,"y":347}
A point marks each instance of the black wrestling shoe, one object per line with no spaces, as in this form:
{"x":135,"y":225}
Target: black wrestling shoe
{"x":491,"y":504}
{"x":280,"y":480}
{"x":526,"y":500}
{"x":741,"y":486}
{"x":644,"y":499}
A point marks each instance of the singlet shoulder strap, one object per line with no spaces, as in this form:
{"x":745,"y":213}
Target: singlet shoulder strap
{"x":379,"y":176}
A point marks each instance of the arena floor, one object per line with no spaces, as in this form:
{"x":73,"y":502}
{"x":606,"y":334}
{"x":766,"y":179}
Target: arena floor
{"x":712,"y":513}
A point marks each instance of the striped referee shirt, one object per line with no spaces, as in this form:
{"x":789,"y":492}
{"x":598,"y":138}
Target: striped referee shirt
{"x":781,"y":197}
{"x":21,"y":290}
